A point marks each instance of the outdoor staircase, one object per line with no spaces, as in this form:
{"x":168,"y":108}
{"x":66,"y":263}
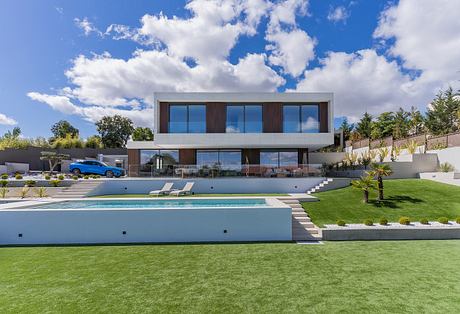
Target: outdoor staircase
{"x":320,"y":186}
{"x":79,"y":189}
{"x":302,"y":227}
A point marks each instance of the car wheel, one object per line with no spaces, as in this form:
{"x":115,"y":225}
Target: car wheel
{"x":76,"y":171}
{"x":109,"y":174}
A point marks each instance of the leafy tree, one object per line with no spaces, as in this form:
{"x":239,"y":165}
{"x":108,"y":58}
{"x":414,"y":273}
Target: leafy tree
{"x":346,"y":129}
{"x":401,"y":124}
{"x":142,"y":134}
{"x":94,"y":141}
{"x":364,"y":126}
{"x":365,"y":184}
{"x":379,"y":171}
{"x":62,"y":128}
{"x":383,"y":126}
{"x":53,"y":158}
{"x":12,"y":134}
{"x":115,"y":131}
{"x":416,"y":121}
{"x":443,"y":115}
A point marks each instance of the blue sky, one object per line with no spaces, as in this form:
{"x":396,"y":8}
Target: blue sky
{"x":356,"y":49}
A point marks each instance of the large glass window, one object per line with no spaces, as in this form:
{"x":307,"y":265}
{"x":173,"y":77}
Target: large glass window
{"x":275,"y":158}
{"x":224,"y":159}
{"x":158,"y":161}
{"x":187,"y":119}
{"x":244,"y":119}
{"x":300,"y":118}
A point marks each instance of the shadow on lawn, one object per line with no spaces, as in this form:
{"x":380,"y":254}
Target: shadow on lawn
{"x":393,"y":201}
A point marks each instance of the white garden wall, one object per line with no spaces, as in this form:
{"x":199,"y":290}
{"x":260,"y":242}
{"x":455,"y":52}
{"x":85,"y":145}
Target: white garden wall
{"x":450,"y":155}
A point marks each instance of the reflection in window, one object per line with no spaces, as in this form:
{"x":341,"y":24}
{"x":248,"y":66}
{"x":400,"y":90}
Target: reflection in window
{"x":274,"y":158}
{"x":244,"y":119}
{"x":300,"y":118}
{"x":187,"y":119}
{"x":158,"y":161}
{"x":222,"y":159}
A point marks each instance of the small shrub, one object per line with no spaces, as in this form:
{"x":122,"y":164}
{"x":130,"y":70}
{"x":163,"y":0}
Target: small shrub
{"x":25,"y":190}
{"x":3,"y":192}
{"x":47,"y":177}
{"x":457,"y":220}
{"x":31,"y":183}
{"x":4,"y":176}
{"x":55,"y":183}
{"x":61,"y":177}
{"x":443,"y":220}
{"x":383,"y":221}
{"x":404,"y":221}
{"x":368,"y":222}
{"x":341,"y":223}
{"x":86,"y":177}
{"x":446,"y":167}
{"x":18,"y":177}
{"x":4,"y":183}
{"x":424,"y":221}
{"x":41,"y":192}
{"x":74,"y":177}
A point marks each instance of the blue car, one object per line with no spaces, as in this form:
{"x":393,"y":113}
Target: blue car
{"x":95,"y":167}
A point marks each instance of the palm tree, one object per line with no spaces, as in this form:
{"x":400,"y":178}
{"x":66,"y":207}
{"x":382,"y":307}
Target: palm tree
{"x":365,"y":184}
{"x":379,"y":171}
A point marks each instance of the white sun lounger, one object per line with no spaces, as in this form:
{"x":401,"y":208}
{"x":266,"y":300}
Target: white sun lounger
{"x":166,"y":189}
{"x":186,"y":190}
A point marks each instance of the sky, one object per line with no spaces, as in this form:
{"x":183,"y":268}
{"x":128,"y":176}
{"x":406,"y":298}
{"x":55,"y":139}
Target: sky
{"x":81,"y":60}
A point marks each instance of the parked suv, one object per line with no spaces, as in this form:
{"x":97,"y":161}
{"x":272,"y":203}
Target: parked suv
{"x":95,"y":167}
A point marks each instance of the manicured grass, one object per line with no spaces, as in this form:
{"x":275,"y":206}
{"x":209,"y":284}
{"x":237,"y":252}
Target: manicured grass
{"x":194,"y":195}
{"x":348,"y":277}
{"x":409,"y":197}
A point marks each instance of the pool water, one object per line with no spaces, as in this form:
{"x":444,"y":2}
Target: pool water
{"x":180,"y":203}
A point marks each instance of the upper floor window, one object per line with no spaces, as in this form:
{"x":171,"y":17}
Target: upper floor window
{"x":187,"y":119}
{"x":244,"y":119}
{"x":300,"y":119}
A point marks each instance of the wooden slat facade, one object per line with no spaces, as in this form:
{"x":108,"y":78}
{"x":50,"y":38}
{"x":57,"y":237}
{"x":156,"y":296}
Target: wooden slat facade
{"x":187,"y":156}
{"x":133,"y":162}
{"x":272,"y":116}
{"x":164,"y":117}
{"x":216,"y":116}
{"x":323,"y":117}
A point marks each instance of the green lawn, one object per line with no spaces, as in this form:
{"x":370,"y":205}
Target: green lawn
{"x":348,"y":277}
{"x":194,"y":195}
{"x":409,"y":197}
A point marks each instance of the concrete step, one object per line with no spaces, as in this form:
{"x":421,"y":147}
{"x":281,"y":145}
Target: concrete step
{"x":295,"y":205}
{"x":289,"y":201}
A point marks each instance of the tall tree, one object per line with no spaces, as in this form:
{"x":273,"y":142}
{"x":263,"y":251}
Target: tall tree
{"x":346,"y":129}
{"x":115,"y":131}
{"x":142,"y":134}
{"x":61,"y":128}
{"x":383,"y":126}
{"x":443,"y":116}
{"x":416,"y":121}
{"x":401,"y":124}
{"x":364,"y":126}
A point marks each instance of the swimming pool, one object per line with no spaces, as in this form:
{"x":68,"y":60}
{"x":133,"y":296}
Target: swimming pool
{"x":145,"y":221}
{"x":154,"y":204}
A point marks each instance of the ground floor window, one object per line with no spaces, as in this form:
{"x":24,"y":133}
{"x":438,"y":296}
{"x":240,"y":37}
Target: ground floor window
{"x":161,"y":161}
{"x":222,"y":159}
{"x":278,"y":158}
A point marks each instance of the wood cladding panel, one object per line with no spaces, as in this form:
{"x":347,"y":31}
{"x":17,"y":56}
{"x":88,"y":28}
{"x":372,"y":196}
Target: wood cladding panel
{"x":133,"y":162}
{"x":164,"y":117}
{"x":187,"y":156}
{"x":323,"y":117}
{"x":272,"y":115}
{"x":216,"y":116}
{"x":303,"y":156}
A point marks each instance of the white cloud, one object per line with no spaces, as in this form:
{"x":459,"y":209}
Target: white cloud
{"x":87,"y":27}
{"x":290,"y":47}
{"x":361,"y":81}
{"x":338,"y":14}
{"x":5,"y":120}
{"x":426,"y":37}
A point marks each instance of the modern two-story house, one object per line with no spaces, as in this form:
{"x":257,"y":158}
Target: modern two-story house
{"x":202,"y":134}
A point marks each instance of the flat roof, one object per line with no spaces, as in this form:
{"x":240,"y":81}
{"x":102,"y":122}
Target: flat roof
{"x":242,"y":96}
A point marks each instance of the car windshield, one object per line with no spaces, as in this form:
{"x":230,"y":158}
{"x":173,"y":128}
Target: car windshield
{"x":103,"y":164}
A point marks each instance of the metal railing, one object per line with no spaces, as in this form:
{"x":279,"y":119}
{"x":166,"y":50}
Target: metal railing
{"x":217,"y":171}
